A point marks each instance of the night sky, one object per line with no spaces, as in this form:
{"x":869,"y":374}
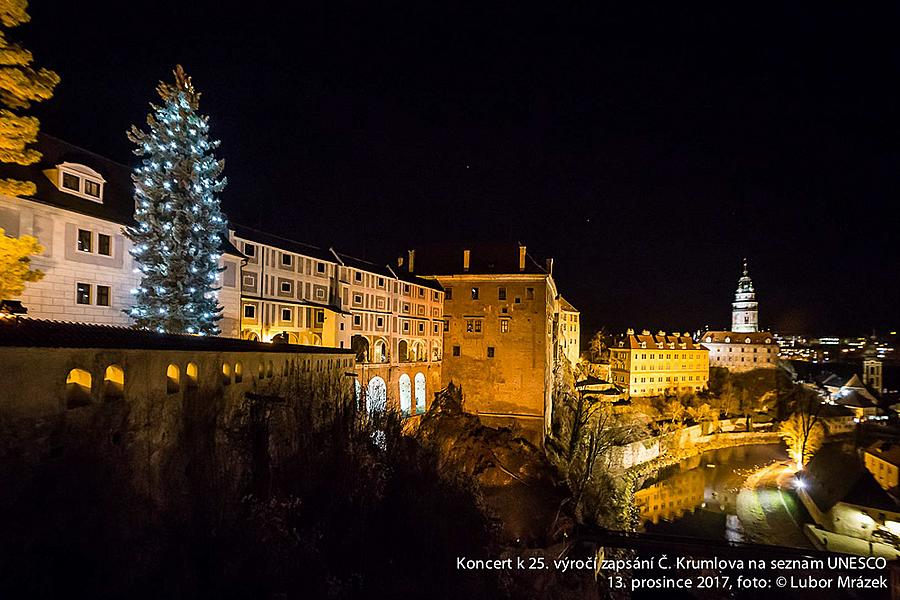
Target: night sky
{"x":647,"y":149}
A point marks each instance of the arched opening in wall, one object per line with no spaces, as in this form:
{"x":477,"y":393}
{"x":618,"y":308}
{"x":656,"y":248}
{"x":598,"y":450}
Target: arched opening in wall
{"x":360,"y":347}
{"x":402,"y":351}
{"x":192,"y":372}
{"x":78,"y":388}
{"x":270,"y":369}
{"x":173,"y":379}
{"x":315,"y":340}
{"x":114,"y":383}
{"x":419,"y":352}
{"x":250,"y":335}
{"x":293,"y":339}
{"x":420,"y":393}
{"x":261,"y":371}
{"x":376,"y":395}
{"x":238,"y":372}
{"x":405,"y":395}
{"x":381,"y":353}
{"x":226,"y":374}
{"x":435,"y":351}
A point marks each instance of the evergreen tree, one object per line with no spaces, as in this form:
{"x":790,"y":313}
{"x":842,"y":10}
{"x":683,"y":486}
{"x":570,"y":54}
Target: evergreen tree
{"x":179,"y":225}
{"x":20,"y":85}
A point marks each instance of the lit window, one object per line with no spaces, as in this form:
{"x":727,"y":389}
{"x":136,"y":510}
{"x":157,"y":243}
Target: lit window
{"x":104,"y":245}
{"x":83,"y":293}
{"x":84,"y":240}
{"x":504,"y":325}
{"x":249,"y":249}
{"x":473,"y":325}
{"x":474,"y":293}
{"x":91,"y":188}
{"x":249,"y":311}
{"x":71,"y":182}
{"x":102,"y":295}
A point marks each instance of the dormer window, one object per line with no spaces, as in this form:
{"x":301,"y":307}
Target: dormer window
{"x":79,"y":180}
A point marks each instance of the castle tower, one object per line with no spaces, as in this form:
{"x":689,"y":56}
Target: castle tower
{"x":744,"y":309}
{"x":872,"y":367}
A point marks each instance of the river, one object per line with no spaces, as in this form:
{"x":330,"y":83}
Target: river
{"x":710,"y":496}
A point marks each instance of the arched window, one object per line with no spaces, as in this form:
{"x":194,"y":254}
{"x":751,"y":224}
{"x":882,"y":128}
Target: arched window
{"x":261,"y":371}
{"x":420,"y":393}
{"x":418,"y":351}
{"x":360,"y":347}
{"x":238,"y":372}
{"x":381,"y":354}
{"x":435,"y":351}
{"x":78,"y":388}
{"x":114,"y":383}
{"x":270,"y":369}
{"x":376,"y":395}
{"x":403,"y":351}
{"x":226,"y":374}
{"x":173,"y":379}
{"x":405,"y":395}
{"x":193,"y":375}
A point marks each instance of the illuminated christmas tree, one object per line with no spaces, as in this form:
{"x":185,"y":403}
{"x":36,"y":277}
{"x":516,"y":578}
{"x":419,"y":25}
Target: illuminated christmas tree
{"x":179,"y":227}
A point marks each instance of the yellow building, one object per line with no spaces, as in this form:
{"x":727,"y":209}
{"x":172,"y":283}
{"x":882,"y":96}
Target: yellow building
{"x":672,"y":498}
{"x":501,"y":329}
{"x":883,"y":461}
{"x":655,"y":365}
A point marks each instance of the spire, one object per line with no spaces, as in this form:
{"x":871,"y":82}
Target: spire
{"x":746,"y":273}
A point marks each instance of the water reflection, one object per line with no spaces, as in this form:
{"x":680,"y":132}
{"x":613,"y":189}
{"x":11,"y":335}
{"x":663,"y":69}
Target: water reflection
{"x":698,"y":497}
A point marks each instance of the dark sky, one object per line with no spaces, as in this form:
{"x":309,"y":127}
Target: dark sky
{"x":646,"y":148}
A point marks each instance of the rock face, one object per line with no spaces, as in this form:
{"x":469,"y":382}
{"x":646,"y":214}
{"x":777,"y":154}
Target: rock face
{"x":517,"y":482}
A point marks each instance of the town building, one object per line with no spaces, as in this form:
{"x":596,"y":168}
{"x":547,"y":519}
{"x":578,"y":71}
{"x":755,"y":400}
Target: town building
{"x":501,"y":333}
{"x":737,"y":351}
{"x":656,"y":365}
{"x":296,"y":293}
{"x":569,"y":331}
{"x":872,"y":368}
{"x":82,"y":202}
{"x":882,"y":459}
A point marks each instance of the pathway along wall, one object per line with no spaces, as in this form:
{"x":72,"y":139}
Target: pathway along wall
{"x":161,"y":426}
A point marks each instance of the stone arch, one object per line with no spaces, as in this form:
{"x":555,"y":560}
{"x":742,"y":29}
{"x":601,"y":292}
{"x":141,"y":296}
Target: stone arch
{"x":114,"y":383}
{"x":270,"y":369}
{"x":402,"y":351}
{"x":249,"y":334}
{"x":436,"y":350}
{"x":420,"y":392}
{"x":405,"y":395}
{"x":376,"y":395}
{"x":418,"y":351}
{"x":78,"y":388}
{"x":380,"y":351}
{"x":238,"y":372}
{"x":360,"y":346}
{"x":173,"y":378}
{"x":292,"y":338}
{"x":226,"y":374}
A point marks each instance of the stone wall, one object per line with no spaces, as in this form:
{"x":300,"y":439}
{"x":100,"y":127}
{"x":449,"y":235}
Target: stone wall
{"x":165,"y":423}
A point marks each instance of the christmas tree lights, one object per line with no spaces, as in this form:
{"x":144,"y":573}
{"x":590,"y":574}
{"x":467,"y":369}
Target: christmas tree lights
{"x":180,"y":228}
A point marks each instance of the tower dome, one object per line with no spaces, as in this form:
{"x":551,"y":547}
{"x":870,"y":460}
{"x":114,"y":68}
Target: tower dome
{"x":744,"y":309}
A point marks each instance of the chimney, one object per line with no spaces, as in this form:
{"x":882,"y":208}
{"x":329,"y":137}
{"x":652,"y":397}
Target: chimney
{"x":467,"y":254}
{"x":661,"y":333}
{"x":521,"y":257}
{"x":645,"y":332}
{"x":411,"y":263}
{"x":630,"y":331}
{"x":550,"y":266}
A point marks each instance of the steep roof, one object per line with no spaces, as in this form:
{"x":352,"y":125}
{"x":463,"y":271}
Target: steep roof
{"x":834,"y":476}
{"x":652,"y":341}
{"x":737,"y":337}
{"x":566,"y":305}
{"x":886,"y":451}
{"x":25,"y":332}
{"x":484,"y":259}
